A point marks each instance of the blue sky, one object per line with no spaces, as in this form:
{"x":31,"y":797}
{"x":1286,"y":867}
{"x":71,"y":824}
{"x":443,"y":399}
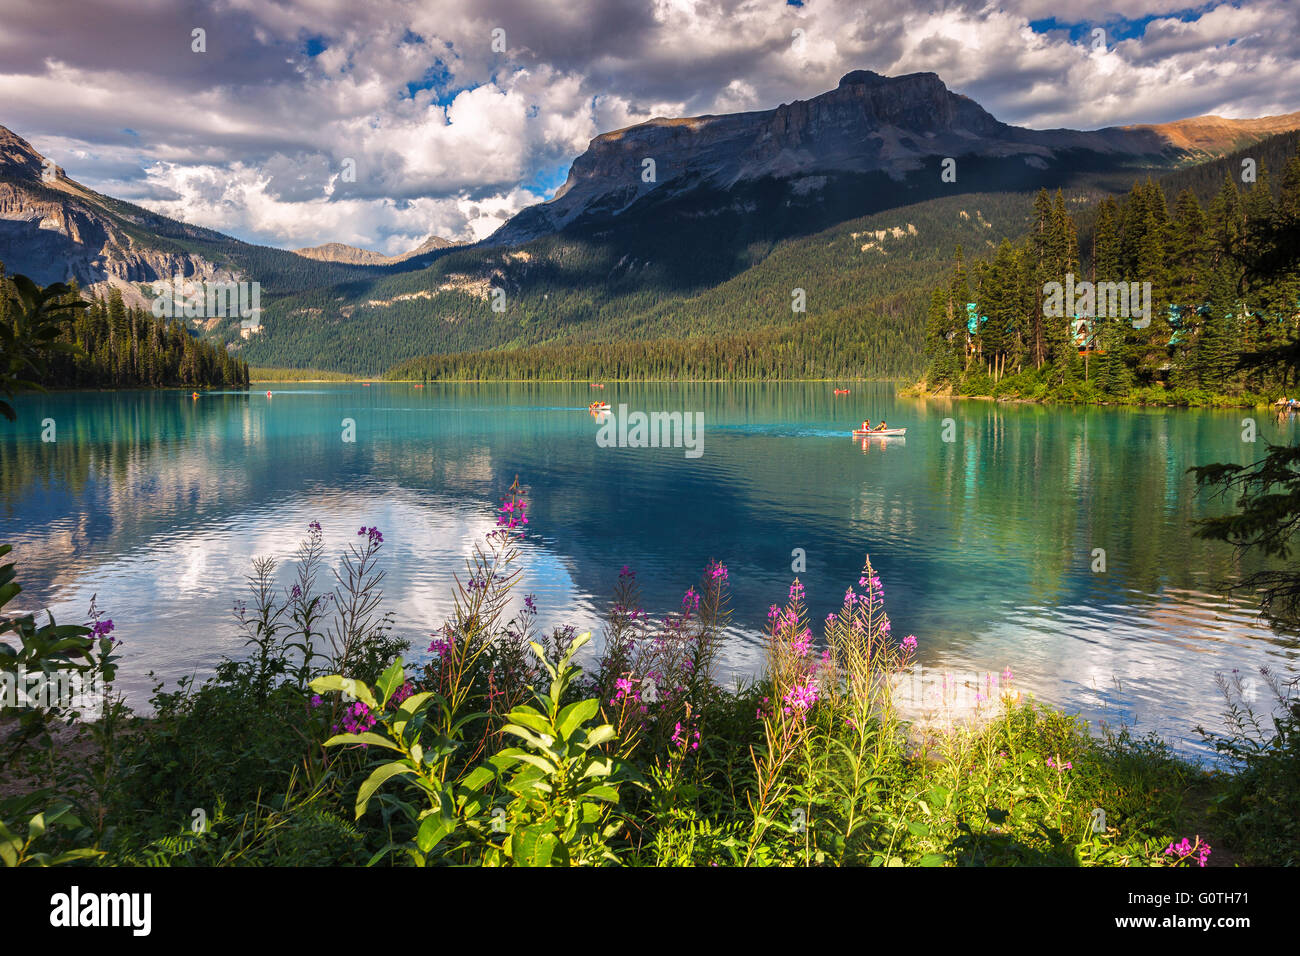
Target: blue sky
{"x":1118,"y":28}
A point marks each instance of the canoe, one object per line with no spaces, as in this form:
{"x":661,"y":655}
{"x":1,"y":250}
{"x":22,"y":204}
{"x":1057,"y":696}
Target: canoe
{"x":841,"y":391}
{"x":887,"y":433}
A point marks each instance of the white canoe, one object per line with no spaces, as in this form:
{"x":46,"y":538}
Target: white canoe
{"x":887,"y":433}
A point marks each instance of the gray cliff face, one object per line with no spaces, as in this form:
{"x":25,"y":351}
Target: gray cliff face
{"x":52,"y":230}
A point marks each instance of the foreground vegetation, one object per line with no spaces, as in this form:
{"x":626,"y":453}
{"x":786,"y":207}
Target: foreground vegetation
{"x":329,"y":743}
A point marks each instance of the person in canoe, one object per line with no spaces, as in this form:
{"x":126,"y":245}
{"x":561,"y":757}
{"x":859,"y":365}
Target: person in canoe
{"x":882,"y":426}
{"x":866,"y":426}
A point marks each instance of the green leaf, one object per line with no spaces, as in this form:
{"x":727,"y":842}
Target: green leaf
{"x":390,"y":680}
{"x":477,"y":779}
{"x":368,"y":737}
{"x":599,"y":768}
{"x":540,"y":743}
{"x":376,"y":779}
{"x":541,"y":763}
{"x":604,"y":792}
{"x":932,"y":859}
{"x":84,"y":853}
{"x":346,"y":685}
{"x":534,"y":846}
{"x":412,"y":704}
{"x":433,"y":829}
{"x":574,"y":716}
{"x":527,"y":717}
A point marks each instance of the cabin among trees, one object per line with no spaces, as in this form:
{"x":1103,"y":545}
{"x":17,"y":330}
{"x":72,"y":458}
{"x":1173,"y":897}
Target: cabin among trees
{"x":1220,"y":289}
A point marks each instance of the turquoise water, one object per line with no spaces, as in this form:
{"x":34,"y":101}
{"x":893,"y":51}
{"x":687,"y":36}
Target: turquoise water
{"x":157,"y":503}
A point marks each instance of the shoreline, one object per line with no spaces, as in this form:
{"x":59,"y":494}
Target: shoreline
{"x":1215,"y":401}
{"x":914,"y":391}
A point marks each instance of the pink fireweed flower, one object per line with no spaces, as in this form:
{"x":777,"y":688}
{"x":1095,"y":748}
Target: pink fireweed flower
{"x":683,"y":736}
{"x":800,"y":698}
{"x":625,"y":689}
{"x":1006,"y":675}
{"x":514,"y":514}
{"x":357,"y":718}
{"x":1060,"y":767}
{"x":399,"y":695}
{"x":872,"y":584}
{"x":796,"y":591}
{"x":691,"y":600}
{"x":313,"y":526}
{"x":802,"y":643}
{"x":1184,"y":849}
{"x":909,"y":643}
{"x":717,"y":571}
{"x":772,"y":612}
{"x":372,"y":535}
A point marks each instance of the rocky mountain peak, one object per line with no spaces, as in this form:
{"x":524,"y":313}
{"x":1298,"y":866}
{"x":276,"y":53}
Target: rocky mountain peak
{"x":868,"y":123}
{"x":20,"y":160}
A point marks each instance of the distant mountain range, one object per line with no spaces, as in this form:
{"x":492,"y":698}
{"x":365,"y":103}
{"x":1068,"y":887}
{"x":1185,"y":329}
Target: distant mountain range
{"x":899,"y":126}
{"x":351,"y":255}
{"x":674,"y":228}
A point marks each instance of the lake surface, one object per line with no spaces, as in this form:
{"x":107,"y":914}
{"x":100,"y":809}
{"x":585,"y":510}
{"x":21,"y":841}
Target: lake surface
{"x":986,"y":544}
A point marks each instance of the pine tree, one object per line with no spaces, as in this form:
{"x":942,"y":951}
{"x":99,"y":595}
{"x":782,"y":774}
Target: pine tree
{"x":1062,"y":252}
{"x":1105,"y":242}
